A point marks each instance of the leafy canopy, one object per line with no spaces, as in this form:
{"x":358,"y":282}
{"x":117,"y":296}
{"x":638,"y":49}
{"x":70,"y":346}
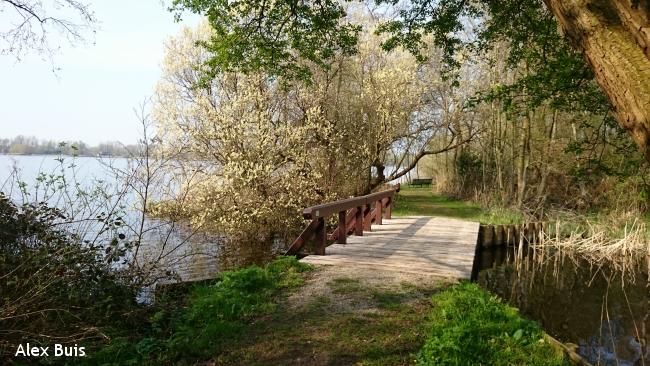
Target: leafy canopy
{"x":274,"y":36}
{"x":283,"y":37}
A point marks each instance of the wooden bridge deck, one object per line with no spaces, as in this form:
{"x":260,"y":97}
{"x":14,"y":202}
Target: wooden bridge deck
{"x":414,"y":244}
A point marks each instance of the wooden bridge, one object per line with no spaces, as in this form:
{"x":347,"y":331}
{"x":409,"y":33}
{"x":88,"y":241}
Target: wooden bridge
{"x":415,"y":244}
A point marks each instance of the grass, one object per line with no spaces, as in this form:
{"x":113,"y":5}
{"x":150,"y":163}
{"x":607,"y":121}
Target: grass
{"x":468,"y":326}
{"x":247,"y":318}
{"x":373,"y":327}
{"x":420,"y":201}
{"x":207,"y":320}
{"x":345,"y":285}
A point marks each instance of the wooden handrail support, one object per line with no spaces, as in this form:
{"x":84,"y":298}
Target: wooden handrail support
{"x":354,"y":214}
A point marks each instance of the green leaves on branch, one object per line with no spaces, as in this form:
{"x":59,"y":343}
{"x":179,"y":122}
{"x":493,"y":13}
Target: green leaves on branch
{"x":286,"y":38}
{"x":280,"y":38}
{"x":520,"y":35}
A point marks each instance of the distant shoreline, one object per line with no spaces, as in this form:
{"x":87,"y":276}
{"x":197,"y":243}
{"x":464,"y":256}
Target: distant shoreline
{"x":69,"y":155}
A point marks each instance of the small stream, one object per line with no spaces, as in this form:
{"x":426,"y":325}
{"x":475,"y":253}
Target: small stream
{"x":603,"y":310}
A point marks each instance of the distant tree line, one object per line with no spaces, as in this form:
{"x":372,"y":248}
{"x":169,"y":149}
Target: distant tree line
{"x":29,"y":145}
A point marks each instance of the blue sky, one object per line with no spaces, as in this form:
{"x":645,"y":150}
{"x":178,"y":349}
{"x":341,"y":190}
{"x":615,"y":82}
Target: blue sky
{"x":92,"y":96}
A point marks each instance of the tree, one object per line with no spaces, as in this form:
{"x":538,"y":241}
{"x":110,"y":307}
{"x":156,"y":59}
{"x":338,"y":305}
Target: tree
{"x":273,"y":36}
{"x":258,"y":150}
{"x":253,"y":154}
{"x":612,"y":34}
{"x":31,"y":23}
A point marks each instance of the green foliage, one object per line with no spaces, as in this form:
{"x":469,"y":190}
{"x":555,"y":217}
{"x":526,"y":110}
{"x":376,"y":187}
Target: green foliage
{"x":589,"y":147}
{"x":215,"y":314}
{"x":281,"y":38}
{"x":467,"y":164}
{"x":276,"y":37}
{"x":472,"y":327}
{"x":500,"y":216}
{"x":554,"y":72}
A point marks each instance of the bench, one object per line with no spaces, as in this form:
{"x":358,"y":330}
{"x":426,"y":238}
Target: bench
{"x":421,"y":182}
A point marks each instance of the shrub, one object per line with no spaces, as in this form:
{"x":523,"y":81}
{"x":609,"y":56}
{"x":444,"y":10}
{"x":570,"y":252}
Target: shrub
{"x":52,"y":285}
{"x":472,"y":327}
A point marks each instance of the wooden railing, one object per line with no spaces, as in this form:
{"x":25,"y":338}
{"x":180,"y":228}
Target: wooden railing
{"x":354,"y":214}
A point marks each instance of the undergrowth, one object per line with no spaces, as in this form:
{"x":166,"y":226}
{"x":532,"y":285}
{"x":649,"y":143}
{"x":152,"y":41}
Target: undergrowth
{"x":213,"y":315}
{"x":471,"y":327}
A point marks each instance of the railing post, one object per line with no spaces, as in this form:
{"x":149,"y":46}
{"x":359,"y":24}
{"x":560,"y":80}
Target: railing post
{"x":343,"y":229}
{"x":367,"y":218}
{"x":321,"y":237}
{"x":358,"y":221}
{"x":378,"y":212}
{"x":363,"y":213}
{"x":389,"y":205}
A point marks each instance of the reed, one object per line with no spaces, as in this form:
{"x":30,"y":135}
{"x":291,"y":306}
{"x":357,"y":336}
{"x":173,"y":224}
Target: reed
{"x":622,"y":248}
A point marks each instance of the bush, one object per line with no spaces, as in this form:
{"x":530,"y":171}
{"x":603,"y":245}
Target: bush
{"x":472,"y":327}
{"x":51,"y":285}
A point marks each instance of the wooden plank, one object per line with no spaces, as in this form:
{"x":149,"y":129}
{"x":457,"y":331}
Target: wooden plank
{"x":464,"y":254}
{"x":404,"y":260}
{"x":320,"y":236}
{"x":358,"y":221}
{"x":373,"y":267}
{"x":343,"y":228}
{"x":303,"y":238}
{"x":378,"y":212}
{"x":447,"y":272}
{"x":423,"y":245}
{"x":349,"y":222}
{"x":447,"y":242}
{"x":367,"y":218}
{"x":388,"y":204}
{"x":326,"y":209}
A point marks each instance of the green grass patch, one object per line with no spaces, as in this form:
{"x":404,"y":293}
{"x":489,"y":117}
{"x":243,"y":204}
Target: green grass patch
{"x":468,"y":326}
{"x":390,"y":300}
{"x":214,"y":314}
{"x":416,"y":201}
{"x":500,"y":216}
{"x":345,"y":285}
{"x":375,"y":326}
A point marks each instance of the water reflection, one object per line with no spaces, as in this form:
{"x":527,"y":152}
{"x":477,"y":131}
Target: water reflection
{"x":602,"y":310}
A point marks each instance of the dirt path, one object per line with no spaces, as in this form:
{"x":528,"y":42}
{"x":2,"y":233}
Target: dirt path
{"x":342,"y":316}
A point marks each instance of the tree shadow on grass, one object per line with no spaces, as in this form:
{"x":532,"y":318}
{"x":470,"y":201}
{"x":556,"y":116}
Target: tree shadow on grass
{"x":385,"y":327}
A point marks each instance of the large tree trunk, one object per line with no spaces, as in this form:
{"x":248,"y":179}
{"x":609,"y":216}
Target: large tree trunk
{"x":614,"y":36}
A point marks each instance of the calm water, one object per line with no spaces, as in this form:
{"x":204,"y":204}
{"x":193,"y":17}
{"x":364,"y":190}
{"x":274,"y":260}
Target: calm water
{"x":166,"y":248}
{"x":603,"y":311}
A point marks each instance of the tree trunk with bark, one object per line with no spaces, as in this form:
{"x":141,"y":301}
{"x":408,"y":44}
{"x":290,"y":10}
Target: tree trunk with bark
{"x":522,"y":168}
{"x":614,"y":37}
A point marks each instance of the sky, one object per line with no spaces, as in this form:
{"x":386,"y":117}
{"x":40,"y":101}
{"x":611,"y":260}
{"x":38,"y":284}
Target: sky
{"x":93,"y":95}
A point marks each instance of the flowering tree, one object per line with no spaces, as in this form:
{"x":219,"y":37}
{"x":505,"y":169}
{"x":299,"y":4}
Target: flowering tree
{"x":257,"y":155}
{"x":265,"y":149}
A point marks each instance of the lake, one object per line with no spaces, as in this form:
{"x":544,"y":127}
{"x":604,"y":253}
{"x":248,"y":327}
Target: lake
{"x":165,"y":247}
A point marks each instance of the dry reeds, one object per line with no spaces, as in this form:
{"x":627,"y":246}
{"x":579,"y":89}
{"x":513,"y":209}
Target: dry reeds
{"x":601,"y":244}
